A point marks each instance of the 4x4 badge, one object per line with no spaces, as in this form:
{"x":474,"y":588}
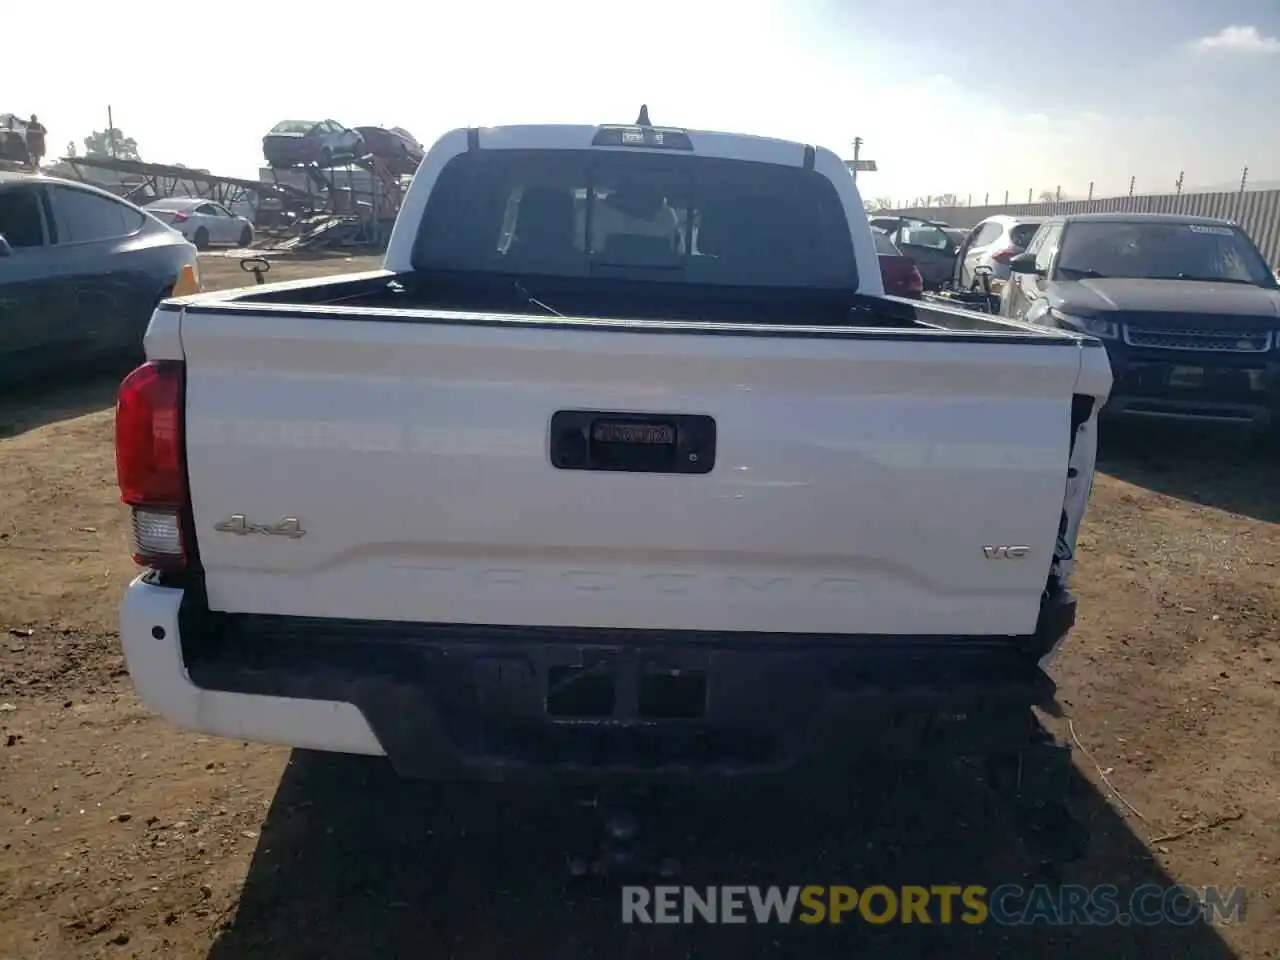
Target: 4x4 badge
{"x":288,"y":527}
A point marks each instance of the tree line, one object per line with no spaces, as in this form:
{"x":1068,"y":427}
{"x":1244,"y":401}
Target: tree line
{"x":107,"y":143}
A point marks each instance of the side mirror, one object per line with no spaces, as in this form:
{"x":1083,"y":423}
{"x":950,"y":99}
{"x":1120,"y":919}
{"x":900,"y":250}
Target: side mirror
{"x":1024,"y":263}
{"x":5,"y":249}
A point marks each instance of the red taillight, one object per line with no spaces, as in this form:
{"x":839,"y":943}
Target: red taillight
{"x":179,"y":217}
{"x":150,"y":465}
{"x":1004,"y":256}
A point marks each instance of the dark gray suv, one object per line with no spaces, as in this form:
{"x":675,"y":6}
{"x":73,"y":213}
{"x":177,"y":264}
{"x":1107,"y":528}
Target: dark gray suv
{"x":1187,"y":307}
{"x":80,"y":273}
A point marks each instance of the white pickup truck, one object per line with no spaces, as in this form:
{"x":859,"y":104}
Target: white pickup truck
{"x":622,"y":465}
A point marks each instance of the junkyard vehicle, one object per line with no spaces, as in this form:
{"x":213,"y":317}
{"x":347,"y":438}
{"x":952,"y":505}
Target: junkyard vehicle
{"x":993,"y":243}
{"x":201,"y":221}
{"x":560,"y":491}
{"x":325,"y":142}
{"x":931,"y":244}
{"x":80,"y":273}
{"x":395,"y":147}
{"x":1187,"y":307}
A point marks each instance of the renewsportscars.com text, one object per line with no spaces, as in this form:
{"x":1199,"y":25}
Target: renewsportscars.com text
{"x":1010,"y":904}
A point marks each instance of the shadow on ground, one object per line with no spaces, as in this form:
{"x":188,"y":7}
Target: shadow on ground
{"x":1217,"y":468}
{"x":40,"y":403}
{"x":355,"y":863}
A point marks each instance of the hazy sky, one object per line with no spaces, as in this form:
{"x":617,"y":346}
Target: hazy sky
{"x":948,"y":96}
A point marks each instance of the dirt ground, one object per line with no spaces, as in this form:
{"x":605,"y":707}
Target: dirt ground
{"x":123,"y":837}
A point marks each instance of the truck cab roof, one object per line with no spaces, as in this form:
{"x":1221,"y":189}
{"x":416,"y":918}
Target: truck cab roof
{"x":683,"y":155}
{"x":565,"y":136}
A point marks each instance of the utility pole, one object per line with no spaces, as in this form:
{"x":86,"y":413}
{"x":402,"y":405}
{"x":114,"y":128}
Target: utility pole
{"x":111,"y":133}
{"x":1006,"y":198}
{"x":857,"y":149}
{"x":986,"y":199}
{"x":1091,"y":190}
{"x":1177,"y":187}
{"x":1244,"y":179}
{"x":1057,"y":194}
{"x":1132,"y":181}
{"x":1030,"y":191}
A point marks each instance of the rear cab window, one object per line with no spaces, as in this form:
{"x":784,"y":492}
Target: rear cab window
{"x":662,"y":216}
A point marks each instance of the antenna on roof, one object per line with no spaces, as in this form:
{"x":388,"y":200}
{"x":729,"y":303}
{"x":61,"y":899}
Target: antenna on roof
{"x":643,"y":119}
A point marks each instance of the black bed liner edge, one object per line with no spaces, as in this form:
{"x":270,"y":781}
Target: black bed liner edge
{"x":937,"y":322}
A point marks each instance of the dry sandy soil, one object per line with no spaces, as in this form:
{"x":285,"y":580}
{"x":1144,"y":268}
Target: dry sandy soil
{"x":123,"y":837}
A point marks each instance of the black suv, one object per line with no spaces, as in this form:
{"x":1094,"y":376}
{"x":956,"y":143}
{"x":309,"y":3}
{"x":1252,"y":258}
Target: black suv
{"x":1187,"y":307}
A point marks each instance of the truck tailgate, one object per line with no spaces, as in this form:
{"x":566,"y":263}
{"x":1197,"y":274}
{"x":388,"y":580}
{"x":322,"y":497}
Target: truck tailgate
{"x":862,"y":484}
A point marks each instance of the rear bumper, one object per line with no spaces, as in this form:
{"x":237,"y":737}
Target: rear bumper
{"x":151,"y":635}
{"x":504,"y":703}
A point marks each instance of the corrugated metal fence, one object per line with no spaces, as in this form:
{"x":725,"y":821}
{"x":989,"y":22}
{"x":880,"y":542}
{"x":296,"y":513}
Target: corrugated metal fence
{"x":1257,"y":212}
